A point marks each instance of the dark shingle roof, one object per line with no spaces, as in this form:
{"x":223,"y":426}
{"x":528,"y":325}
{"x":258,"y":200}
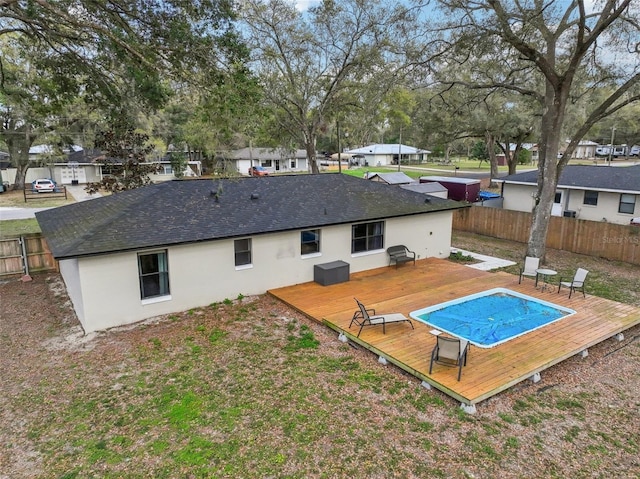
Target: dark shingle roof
{"x":178,"y":212}
{"x":619,"y":178}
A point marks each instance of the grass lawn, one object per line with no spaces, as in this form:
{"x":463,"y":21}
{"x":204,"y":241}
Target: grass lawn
{"x":13,"y":228}
{"x":16,"y":199}
{"x":249,"y":388}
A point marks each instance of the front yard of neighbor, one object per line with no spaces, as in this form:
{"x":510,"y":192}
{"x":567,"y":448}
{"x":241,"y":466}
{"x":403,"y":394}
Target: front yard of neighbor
{"x":15,"y":198}
{"x":250,"y":388}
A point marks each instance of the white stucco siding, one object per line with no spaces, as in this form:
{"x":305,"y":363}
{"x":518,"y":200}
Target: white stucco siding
{"x":426,"y":235}
{"x":518,"y":197}
{"x":105,"y":289}
{"x":605,"y":210}
{"x":111,"y":292}
{"x":71,"y":276}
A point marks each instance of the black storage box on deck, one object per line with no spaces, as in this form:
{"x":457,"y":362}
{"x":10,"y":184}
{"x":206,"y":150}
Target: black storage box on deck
{"x":331,"y":273}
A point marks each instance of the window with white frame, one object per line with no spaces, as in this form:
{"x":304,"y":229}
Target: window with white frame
{"x":153,"y":270}
{"x":309,"y":242}
{"x":293,"y":163}
{"x":627,"y":203}
{"x":590,"y":198}
{"x":367,"y":236}
{"x":242,"y":250}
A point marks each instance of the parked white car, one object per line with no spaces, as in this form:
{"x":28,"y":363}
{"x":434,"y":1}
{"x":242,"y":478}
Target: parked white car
{"x":43,"y":185}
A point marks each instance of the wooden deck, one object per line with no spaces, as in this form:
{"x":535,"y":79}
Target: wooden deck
{"x":433,"y":281}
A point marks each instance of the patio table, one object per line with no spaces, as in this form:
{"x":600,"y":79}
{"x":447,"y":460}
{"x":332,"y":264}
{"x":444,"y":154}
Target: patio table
{"x":546,"y":274}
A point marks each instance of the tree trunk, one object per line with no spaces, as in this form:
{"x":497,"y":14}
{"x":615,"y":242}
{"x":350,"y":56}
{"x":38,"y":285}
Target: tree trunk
{"x":548,"y":170}
{"x":19,"y":153}
{"x":18,"y":141}
{"x":311,"y":157}
{"x":512,"y":160}
{"x":493,"y":160}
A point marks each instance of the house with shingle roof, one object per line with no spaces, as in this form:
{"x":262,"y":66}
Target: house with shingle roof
{"x":275,"y":160}
{"x":596,"y":193}
{"x":177,"y":245}
{"x":387,"y":154}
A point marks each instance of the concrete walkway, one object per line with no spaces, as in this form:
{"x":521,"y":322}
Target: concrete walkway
{"x":487,"y":262}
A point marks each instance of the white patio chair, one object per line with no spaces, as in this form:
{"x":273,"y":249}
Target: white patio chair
{"x":531,"y":264}
{"x":577,"y":283}
{"x":450,"y":352}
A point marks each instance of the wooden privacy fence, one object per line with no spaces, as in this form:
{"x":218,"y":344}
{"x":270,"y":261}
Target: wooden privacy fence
{"x":25,"y":254}
{"x":593,"y":238}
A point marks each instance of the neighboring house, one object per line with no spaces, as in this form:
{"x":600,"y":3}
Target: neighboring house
{"x":596,"y":193}
{"x":177,"y":245}
{"x":387,"y":154}
{"x":275,"y":160}
{"x":584,"y":150}
{"x":192,"y":169}
{"x":82,"y":166}
{"x":531,"y":147}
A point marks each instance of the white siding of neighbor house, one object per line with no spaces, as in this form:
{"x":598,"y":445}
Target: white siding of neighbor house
{"x":105,"y":289}
{"x":605,"y":210}
{"x":519,"y":198}
{"x":243,"y":165}
{"x":58,"y":173}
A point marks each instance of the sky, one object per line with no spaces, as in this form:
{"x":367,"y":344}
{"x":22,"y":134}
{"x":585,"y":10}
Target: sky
{"x":303,"y":5}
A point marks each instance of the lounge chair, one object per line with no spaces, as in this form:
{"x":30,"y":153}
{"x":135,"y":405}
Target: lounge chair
{"x":531,"y":264}
{"x":368,"y":317}
{"x":577,"y":283}
{"x":400,"y":254}
{"x":450,"y":352}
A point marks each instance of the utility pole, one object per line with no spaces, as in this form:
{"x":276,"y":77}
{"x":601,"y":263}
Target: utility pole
{"x":613,"y":132}
{"x":339,"y":147}
{"x":400,"y":148}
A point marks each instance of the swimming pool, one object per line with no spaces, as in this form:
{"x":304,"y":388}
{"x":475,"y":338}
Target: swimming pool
{"x":492,"y":317}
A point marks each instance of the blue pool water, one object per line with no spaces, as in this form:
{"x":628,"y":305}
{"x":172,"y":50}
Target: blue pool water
{"x":492,"y":317}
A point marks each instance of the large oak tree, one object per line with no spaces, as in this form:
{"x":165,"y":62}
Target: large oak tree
{"x":566,"y":49}
{"x":312,"y":64}
{"x":118,"y":56}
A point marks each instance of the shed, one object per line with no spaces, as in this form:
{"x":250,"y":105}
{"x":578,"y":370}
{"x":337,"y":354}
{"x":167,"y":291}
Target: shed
{"x":433,"y":189}
{"x":394,"y":178}
{"x":460,"y":189}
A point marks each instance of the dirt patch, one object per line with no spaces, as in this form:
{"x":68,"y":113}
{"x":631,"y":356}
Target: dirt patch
{"x":254,"y":389}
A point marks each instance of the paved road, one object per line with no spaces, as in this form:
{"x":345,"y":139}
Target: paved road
{"x":19,"y":213}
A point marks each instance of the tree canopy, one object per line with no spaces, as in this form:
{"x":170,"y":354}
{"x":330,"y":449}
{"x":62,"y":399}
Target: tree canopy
{"x":556,"y":52}
{"x":120,"y":57}
{"x":312,"y":65}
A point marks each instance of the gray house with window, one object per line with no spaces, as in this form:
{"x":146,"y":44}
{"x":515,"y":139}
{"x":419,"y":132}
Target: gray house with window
{"x":182,"y":244}
{"x":596,"y":193}
{"x":275,"y":160}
